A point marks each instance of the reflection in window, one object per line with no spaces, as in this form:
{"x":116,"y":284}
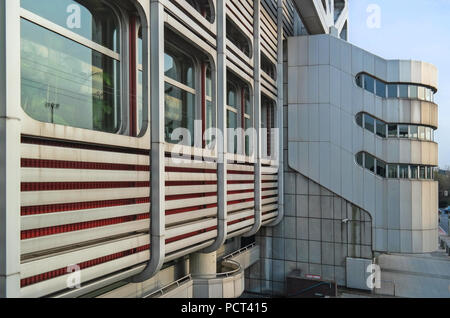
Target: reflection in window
{"x":383,"y":89}
{"x":381,"y":129}
{"x":392,"y":131}
{"x":403,"y":131}
{"x":393,"y":171}
{"x":369,"y":123}
{"x":403,"y":171}
{"x":179,"y":94}
{"x":267,"y":122}
{"x":67,"y":83}
{"x":267,"y":66}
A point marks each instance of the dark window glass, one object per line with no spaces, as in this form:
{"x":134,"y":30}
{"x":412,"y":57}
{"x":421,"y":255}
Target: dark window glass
{"x":359,"y":159}
{"x":381,"y":89}
{"x":392,"y":171}
{"x":413,"y":172}
{"x":392,"y":90}
{"x":392,"y":131}
{"x":403,"y":131}
{"x":414,"y":132}
{"x":232,"y":95}
{"x":203,"y":7}
{"x":369,"y":162}
{"x":92,"y":20}
{"x":267,"y":123}
{"x":359,"y":80}
{"x":267,"y":66}
{"x":66,"y":83}
{"x":238,"y":38}
{"x":232,"y":139}
{"x":403,"y":91}
{"x":404,"y":172}
{"x":369,"y":123}
{"x":381,"y":169}
{"x":430,"y":173}
{"x":422,"y":172}
{"x":359,"y":119}
{"x":369,"y":83}
{"x":381,"y":129}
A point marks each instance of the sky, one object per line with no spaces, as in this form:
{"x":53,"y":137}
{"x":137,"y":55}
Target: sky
{"x":410,"y":30}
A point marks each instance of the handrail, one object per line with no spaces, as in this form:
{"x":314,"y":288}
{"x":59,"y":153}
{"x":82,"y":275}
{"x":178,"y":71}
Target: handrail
{"x":240,"y":251}
{"x":224,"y":274}
{"x":163,"y":289}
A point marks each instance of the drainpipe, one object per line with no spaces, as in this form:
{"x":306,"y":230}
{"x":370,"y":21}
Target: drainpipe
{"x":257,"y":115}
{"x":157,"y":213}
{"x":222,"y":131}
{"x":280,"y":123}
{"x":10,"y":127}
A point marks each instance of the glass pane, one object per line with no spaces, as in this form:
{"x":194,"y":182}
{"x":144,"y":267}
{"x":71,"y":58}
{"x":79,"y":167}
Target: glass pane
{"x":414,"y":132}
{"x":413,"y":91}
{"x":139,"y":47}
{"x":392,"y":171}
{"x":248,"y":124}
{"x":392,"y":90}
{"x":422,"y":172}
{"x":232,"y":95}
{"x":421,"y":93}
{"x":359,"y":80}
{"x":369,"y":123}
{"x":403,"y":91}
{"x":359,"y":159}
{"x":381,"y":89}
{"x":422,"y":132}
{"x":179,"y":112}
{"x":370,"y":163}
{"x":92,"y":20}
{"x":430,"y":173}
{"x":392,"y":131}
{"x":232,"y":123}
{"x":66,"y":83}
{"x":359,"y":119}
{"x":140,"y":102}
{"x":404,"y":172}
{"x":209,"y":119}
{"x":413,"y":172}
{"x":428,"y":133}
{"x":428,"y":94}
{"x":369,"y":83}
{"x":248,"y":105}
{"x":381,"y":129}
{"x":381,"y":169}
{"x":237,"y":37}
{"x":403,"y":131}
{"x":208,"y":83}
{"x":179,"y":67}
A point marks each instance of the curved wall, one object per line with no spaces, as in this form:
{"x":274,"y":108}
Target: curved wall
{"x":323,"y":137}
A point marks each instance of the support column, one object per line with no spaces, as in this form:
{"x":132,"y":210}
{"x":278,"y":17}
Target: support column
{"x":10,"y":148}
{"x":203,"y":264}
{"x":257,"y":114}
{"x":222,"y":129}
{"x":280,"y":122}
{"x":157,"y":111}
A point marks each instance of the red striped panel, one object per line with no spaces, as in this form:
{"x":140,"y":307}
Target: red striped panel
{"x":63,"y":271}
{"x":64,"y":207}
{"x":190,"y":209}
{"x":61,"y":164}
{"x":28,"y":234}
{"x":190,"y":196}
{"x":241,"y":220}
{"x":54,"y":186}
{"x":189,"y":170}
{"x":181,"y":237}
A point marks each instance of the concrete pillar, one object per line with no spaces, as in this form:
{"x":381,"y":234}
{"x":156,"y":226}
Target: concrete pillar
{"x":9,"y":148}
{"x":203,"y":264}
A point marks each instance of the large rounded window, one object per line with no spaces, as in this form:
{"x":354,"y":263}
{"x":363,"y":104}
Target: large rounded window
{"x":70,"y":63}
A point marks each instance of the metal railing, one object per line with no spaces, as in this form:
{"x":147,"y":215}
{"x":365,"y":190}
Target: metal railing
{"x":230,"y":273}
{"x":242,"y":250}
{"x":162,"y":291}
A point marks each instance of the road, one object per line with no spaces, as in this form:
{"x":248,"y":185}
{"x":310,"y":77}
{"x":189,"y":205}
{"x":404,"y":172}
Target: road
{"x":444,"y":221}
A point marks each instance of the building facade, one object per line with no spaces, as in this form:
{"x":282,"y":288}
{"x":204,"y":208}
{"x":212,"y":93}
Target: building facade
{"x":146,"y":143}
